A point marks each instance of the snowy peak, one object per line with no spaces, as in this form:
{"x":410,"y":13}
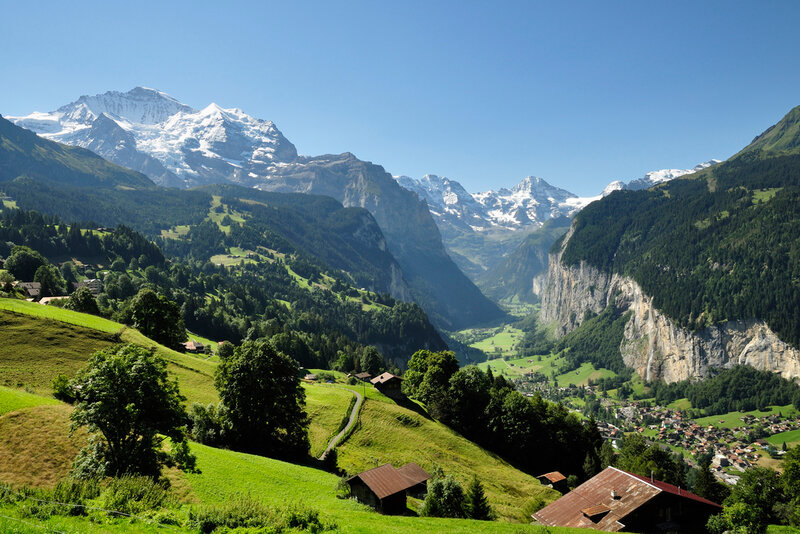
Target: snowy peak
{"x":529,"y":203}
{"x":172,"y":143}
{"x":656,"y":177}
{"x":140,"y":105}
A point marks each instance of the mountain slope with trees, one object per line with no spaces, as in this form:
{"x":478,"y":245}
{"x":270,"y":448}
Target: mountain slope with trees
{"x":715,"y":246}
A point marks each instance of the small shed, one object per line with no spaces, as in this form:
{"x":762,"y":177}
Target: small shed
{"x":554,"y":480}
{"x":389,"y":384}
{"x":385,"y":488}
{"x":364,"y":377}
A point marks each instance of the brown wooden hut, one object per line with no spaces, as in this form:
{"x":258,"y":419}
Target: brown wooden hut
{"x":385,"y":488}
{"x":389,"y":384}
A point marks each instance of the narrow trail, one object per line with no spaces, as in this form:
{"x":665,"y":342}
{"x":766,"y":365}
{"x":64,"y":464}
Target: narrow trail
{"x":350,"y":423}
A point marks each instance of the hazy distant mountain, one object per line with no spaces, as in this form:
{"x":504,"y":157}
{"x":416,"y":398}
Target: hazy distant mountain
{"x":531,"y":202}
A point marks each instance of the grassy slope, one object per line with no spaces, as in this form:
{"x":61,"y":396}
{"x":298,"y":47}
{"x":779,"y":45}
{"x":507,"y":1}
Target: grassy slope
{"x":791,"y":438}
{"x":225,"y":474}
{"x":36,"y":333}
{"x":515,"y":368}
{"x":14,"y":399}
{"x":382,"y":437}
{"x":733,"y":419}
{"x":326,"y":406}
{"x":35,"y":446}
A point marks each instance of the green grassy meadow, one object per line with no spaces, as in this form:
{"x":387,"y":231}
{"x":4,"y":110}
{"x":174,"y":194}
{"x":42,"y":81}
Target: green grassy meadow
{"x":791,"y":438}
{"x":12,"y":400}
{"x":734,"y":419}
{"x":34,"y":427}
{"x":226,"y":474}
{"x":59,"y":314}
{"x":326,"y":407}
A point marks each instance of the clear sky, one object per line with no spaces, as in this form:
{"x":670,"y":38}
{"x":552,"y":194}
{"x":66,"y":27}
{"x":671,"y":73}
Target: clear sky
{"x":578,"y":93}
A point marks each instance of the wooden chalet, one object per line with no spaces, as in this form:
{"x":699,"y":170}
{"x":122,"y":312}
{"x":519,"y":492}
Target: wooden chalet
{"x":194,"y":346}
{"x":554,"y":480}
{"x":618,"y":501}
{"x":389,"y":384}
{"x":364,"y":377}
{"x":385,"y":488}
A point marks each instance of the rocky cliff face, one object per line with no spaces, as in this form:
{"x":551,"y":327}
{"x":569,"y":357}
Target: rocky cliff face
{"x":653,"y":345}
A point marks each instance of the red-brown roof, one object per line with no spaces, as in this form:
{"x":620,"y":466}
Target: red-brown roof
{"x":383,"y":378}
{"x":553,"y":477}
{"x":675,"y":490}
{"x":617,"y":491}
{"x":414,"y":473}
{"x":386,"y":480}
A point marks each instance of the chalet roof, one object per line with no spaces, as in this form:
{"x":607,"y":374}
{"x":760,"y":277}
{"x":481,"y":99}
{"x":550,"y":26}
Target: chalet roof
{"x":603,"y":501}
{"x":386,"y":480}
{"x":363,"y":376}
{"x":553,"y":477}
{"x":414,"y":473}
{"x":383,"y":378}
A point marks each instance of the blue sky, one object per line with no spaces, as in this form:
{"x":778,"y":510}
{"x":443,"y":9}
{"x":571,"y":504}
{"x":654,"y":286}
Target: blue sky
{"x":579,"y":93}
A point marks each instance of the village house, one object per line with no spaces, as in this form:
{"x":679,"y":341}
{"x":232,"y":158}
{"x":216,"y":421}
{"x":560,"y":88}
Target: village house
{"x":364,"y":377}
{"x":95,"y":285}
{"x":194,"y":347}
{"x":618,"y":501}
{"x":33,"y":289}
{"x":386,"y":488}
{"x":389,"y":384}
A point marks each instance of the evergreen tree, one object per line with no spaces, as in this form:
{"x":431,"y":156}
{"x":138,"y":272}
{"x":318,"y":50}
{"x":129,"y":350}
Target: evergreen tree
{"x":477,"y":505}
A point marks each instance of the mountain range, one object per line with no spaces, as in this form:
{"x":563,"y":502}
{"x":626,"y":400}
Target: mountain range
{"x":177,"y":146}
{"x":483,"y":232}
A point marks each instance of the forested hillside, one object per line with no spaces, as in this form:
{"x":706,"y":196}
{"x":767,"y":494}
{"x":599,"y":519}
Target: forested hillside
{"x":715,"y":246}
{"x":326,"y":321}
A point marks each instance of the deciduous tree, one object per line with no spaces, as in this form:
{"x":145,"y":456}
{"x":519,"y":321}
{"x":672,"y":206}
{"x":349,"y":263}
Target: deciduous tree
{"x":125,"y":398}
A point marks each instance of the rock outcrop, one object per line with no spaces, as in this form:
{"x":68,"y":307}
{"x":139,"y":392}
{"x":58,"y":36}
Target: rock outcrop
{"x":653,"y":345}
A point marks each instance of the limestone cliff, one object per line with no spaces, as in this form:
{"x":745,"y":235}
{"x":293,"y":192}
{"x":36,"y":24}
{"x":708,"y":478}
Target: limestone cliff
{"x":653,"y":345}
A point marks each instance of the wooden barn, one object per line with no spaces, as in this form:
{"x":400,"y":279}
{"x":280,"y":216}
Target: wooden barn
{"x":618,"y":501}
{"x":385,"y":488}
{"x":389,"y":384}
{"x":555,"y":480}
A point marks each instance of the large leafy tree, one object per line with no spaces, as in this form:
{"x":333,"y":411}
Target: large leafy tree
{"x":23,"y":263}
{"x":125,"y":398}
{"x":158,"y":318}
{"x":428,"y":379}
{"x":264,"y":401}
{"x":50,"y":279}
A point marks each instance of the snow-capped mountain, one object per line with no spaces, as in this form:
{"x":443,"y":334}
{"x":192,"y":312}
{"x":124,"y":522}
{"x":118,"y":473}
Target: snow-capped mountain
{"x":656,"y":177}
{"x":174,"y":144}
{"x":529,"y":203}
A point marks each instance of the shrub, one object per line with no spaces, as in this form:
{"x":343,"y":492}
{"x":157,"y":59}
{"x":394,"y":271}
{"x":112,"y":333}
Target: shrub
{"x":62,"y":390}
{"x":136,"y":494}
{"x":246,"y":512}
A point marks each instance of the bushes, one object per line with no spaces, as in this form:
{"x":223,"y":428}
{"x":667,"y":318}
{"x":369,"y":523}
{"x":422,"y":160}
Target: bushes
{"x":152,"y":502}
{"x":136,"y":494}
{"x":246,"y":512}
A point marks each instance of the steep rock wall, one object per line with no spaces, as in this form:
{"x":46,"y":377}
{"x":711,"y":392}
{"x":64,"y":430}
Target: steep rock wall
{"x":653,"y":345}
